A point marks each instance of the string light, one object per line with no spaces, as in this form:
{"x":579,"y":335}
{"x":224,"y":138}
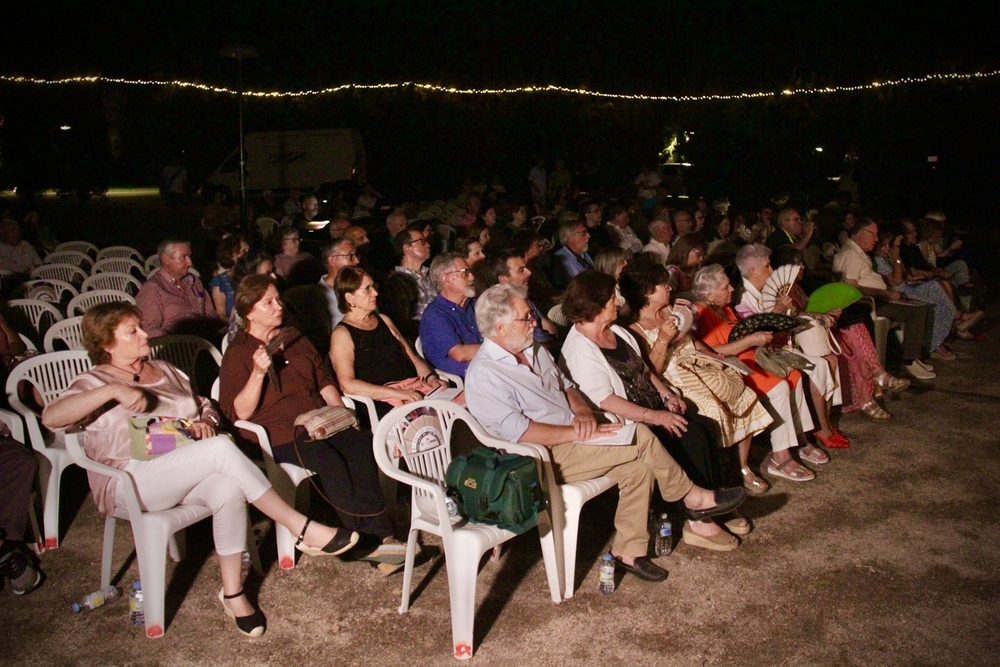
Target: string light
{"x":428,"y":87}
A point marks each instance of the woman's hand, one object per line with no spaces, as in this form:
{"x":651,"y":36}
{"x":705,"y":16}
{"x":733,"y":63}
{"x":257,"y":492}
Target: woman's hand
{"x":261,"y":362}
{"x":436,"y":383}
{"x":676,"y":424}
{"x":407,"y":395}
{"x":132,"y":398}
{"x":668,"y":330}
{"x":675,"y":404}
{"x":202,"y":429}
{"x":759,"y":338}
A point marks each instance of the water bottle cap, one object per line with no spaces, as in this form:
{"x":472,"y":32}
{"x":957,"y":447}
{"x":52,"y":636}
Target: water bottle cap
{"x":75,"y":607}
{"x":136,"y":585}
{"x":606,"y":557}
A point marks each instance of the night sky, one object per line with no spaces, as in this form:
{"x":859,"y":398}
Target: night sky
{"x":646,"y":47}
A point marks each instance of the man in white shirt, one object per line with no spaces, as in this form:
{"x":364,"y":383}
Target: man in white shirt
{"x":518,"y":394}
{"x":336,"y":256}
{"x":855,"y":268}
{"x":661,"y":236}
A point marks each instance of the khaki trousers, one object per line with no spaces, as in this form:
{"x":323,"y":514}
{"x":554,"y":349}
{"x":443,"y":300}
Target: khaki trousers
{"x":635,"y":468}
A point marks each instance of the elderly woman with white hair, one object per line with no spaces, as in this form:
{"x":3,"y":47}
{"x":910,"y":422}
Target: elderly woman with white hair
{"x":783,"y":398}
{"x":754,"y":263}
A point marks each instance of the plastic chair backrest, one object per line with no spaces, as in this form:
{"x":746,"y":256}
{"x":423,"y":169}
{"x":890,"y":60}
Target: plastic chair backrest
{"x":184,"y":351}
{"x":124,"y":251}
{"x":74,"y":257}
{"x":152,"y":262}
{"x":79,"y":246}
{"x":50,"y":374}
{"x":32,"y":316}
{"x":119,"y":265}
{"x":267,"y":227}
{"x":73,"y":275}
{"x":64,"y":291}
{"x":122,"y":282}
{"x":78,"y":305}
{"x":68,"y":331}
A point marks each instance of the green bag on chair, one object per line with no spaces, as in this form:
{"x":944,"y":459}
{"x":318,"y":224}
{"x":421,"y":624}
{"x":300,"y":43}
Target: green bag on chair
{"x":496,"y":488}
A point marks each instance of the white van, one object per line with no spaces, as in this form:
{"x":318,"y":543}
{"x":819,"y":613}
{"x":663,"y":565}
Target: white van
{"x":305,"y":160}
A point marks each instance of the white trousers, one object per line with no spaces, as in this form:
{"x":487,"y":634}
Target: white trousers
{"x":790,"y":412}
{"x":211,"y":472}
{"x":822,"y":377}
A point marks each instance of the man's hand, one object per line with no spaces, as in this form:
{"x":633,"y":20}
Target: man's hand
{"x":584,"y":425}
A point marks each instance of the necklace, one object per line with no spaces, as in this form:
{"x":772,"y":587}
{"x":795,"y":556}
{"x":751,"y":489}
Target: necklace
{"x":135,"y":376}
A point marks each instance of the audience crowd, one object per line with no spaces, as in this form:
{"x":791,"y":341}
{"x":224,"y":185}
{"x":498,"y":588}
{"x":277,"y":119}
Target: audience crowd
{"x":636,"y":339}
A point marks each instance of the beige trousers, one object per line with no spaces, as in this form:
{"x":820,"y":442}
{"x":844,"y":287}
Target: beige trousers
{"x":635,"y":468}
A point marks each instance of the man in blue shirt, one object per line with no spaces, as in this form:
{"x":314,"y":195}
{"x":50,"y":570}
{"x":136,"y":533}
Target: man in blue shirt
{"x":448,"y":332}
{"x":572,"y":257}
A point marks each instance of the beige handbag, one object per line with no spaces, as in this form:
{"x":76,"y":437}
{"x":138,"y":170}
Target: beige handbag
{"x":816,"y":340}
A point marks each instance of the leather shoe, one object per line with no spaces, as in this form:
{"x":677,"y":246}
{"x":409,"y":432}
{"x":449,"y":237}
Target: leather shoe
{"x":643,"y":568}
{"x":726,"y":500}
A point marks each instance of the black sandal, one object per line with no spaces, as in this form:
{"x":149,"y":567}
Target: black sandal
{"x":252,"y":625}
{"x":343,"y":541}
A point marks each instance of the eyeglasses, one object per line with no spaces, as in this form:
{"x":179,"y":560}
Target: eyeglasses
{"x":875,"y":234}
{"x":369,"y":289}
{"x":421,"y":240}
{"x":466,"y":270}
{"x":529,"y":318}
{"x":348,"y":255}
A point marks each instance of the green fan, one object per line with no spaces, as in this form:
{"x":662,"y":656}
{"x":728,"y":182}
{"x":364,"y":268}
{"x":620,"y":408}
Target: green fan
{"x":832,"y":296}
{"x":765,"y":322}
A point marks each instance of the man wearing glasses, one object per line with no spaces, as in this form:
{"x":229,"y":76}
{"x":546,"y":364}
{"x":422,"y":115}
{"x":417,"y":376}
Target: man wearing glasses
{"x":408,"y":289}
{"x":854,"y":265}
{"x":336,"y":256}
{"x":448,"y":331}
{"x":792,"y":230}
{"x":518,"y":394}
{"x":572,"y":257}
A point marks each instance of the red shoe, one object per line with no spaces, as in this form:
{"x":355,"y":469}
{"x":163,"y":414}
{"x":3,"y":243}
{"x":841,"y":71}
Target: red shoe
{"x":837,"y":435}
{"x":832,"y":442}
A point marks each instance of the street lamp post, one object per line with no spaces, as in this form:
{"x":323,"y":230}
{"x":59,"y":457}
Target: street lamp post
{"x":241,"y":52}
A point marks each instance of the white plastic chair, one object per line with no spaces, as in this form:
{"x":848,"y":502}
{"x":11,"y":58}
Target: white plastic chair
{"x":50,"y":374}
{"x":28,"y":343}
{"x":154,"y":534}
{"x":73,"y":275}
{"x":152,"y":262}
{"x":118,"y":265}
{"x":80,"y":304}
{"x":32,"y":316}
{"x":124,"y":251}
{"x":78,"y":246}
{"x":444,"y":375}
{"x":184,"y":351}
{"x":122,"y":282}
{"x":68,"y":331}
{"x":64,"y":291}
{"x":423,"y":440}
{"x":267,"y":227}
{"x":74,"y":257}
{"x":285,"y":479}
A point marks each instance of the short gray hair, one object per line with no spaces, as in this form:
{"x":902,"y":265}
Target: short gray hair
{"x":656,"y":223}
{"x":566,"y":229}
{"x":166,"y":246}
{"x":331,"y":248}
{"x":707,"y":279}
{"x":441,"y":265}
{"x":495,"y":306}
{"x":751,"y":256}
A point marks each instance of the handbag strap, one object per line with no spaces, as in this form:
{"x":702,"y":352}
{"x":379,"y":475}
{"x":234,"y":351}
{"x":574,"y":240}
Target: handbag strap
{"x":312,"y":481}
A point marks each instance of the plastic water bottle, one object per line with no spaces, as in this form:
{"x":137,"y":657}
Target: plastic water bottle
{"x":136,"y":616}
{"x":96,"y":599}
{"x":664,"y":537}
{"x":606,"y":583}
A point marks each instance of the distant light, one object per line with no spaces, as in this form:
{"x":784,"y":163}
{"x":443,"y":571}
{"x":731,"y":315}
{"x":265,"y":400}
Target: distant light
{"x":64,"y":127}
{"x":819,"y":149}
{"x":932,"y":158}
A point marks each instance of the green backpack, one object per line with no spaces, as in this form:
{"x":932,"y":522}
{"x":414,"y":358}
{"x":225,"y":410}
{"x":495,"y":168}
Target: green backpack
{"x":496,"y":488}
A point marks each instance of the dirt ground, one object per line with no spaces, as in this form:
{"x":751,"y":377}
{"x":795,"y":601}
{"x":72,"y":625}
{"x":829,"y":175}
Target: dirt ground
{"x":890,"y":557}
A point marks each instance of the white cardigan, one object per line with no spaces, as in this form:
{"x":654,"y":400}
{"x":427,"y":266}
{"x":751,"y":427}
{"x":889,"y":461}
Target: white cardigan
{"x":584,"y":362}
